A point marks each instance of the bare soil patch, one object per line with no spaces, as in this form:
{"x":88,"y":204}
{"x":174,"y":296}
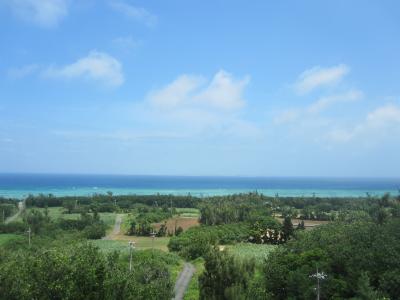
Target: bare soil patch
{"x":185,"y":223}
{"x":307,"y":223}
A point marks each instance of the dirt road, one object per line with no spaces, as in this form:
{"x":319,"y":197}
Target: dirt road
{"x":117,"y":228}
{"x":21,"y":207}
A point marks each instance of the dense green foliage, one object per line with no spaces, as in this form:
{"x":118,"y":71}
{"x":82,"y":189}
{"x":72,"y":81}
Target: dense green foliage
{"x":6,"y":210}
{"x":90,"y":225}
{"x":197,"y":241}
{"x":225,"y":277}
{"x":232,"y":209}
{"x":82,"y":272}
{"x":345,"y":252}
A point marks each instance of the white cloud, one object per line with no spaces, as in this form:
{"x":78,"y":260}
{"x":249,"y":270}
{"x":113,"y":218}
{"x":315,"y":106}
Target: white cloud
{"x":201,"y":107}
{"x":388,"y":114}
{"x":223,"y":92}
{"x":382,"y":121}
{"x":21,"y":72}
{"x":317,"y":107}
{"x":318,"y":77}
{"x":133,"y":12}
{"x":45,"y":13}
{"x":325,"y":102}
{"x":176,"y":93}
{"x":97,"y":66}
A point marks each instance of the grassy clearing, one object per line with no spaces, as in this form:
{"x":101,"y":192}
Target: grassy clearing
{"x":142,"y":242}
{"x":251,"y":251}
{"x":8,"y":237}
{"x":108,"y":218}
{"x":193,"y":290}
{"x":111,"y":245}
{"x":54,"y":213}
{"x":188,"y":212}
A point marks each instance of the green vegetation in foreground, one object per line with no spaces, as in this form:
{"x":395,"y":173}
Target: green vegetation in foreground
{"x":258,"y":252}
{"x":6,"y":238}
{"x":79,"y":271}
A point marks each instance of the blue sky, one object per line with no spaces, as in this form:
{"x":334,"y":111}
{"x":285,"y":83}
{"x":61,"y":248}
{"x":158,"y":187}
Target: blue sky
{"x":252,"y":88}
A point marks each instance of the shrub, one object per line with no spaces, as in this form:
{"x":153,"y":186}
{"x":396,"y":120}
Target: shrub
{"x":95,"y":231}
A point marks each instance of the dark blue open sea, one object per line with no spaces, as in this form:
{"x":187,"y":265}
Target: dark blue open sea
{"x":20,"y":185}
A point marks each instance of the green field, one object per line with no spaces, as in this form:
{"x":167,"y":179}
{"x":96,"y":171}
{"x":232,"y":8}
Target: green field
{"x":141,"y":243}
{"x":188,"y":212}
{"x":54,"y":213}
{"x":110,"y":246}
{"x":247,"y":250}
{"x":8,"y":237}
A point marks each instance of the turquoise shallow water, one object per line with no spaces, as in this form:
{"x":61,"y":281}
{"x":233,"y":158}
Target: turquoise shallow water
{"x":200,"y":193}
{"x":21,"y":185}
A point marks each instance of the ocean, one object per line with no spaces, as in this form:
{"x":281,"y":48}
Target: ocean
{"x":21,"y":185}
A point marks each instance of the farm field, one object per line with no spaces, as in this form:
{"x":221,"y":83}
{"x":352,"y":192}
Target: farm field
{"x":184,"y":222}
{"x":307,"y":223}
{"x":142,"y":242}
{"x":188,"y":212}
{"x":248,"y":251}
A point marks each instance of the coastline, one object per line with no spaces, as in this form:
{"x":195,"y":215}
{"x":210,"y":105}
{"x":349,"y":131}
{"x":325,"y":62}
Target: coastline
{"x":88,"y":191}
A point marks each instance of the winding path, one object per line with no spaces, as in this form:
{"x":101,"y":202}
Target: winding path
{"x":21,"y":207}
{"x":117,"y":228}
{"x":183,"y":281}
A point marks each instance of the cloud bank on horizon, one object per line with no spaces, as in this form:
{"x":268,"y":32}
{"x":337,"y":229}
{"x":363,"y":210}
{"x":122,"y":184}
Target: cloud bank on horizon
{"x":127,"y":87}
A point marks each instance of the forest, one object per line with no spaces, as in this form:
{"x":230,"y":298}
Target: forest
{"x":243,"y":246}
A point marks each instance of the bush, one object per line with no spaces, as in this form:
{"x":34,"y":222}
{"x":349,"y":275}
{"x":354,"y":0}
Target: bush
{"x":79,"y":272}
{"x":225,"y":277}
{"x":13,"y":227}
{"x":196,"y":241}
{"x":95,"y":231}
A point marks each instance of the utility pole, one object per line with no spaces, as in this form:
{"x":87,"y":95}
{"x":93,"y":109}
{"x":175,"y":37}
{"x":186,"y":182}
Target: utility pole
{"x":29,"y":236}
{"x":131,"y":247}
{"x":319,"y":276}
